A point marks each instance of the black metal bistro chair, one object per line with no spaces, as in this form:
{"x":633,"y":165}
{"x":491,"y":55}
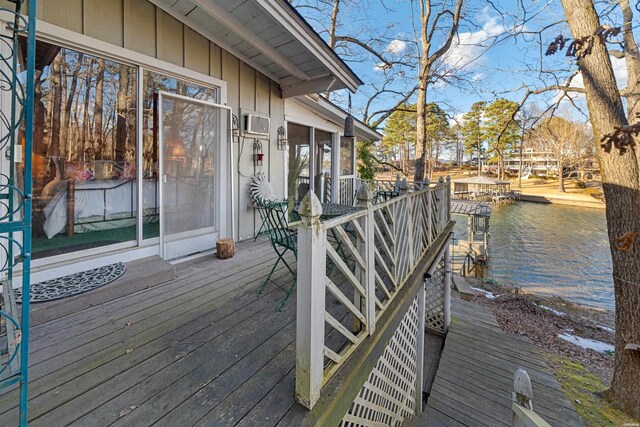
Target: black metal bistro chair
{"x":283,"y":239}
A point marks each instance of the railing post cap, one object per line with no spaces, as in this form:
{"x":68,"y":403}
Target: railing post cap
{"x":522,"y":390}
{"x":425,"y":181}
{"x":403,"y":185}
{"x":441,"y":180}
{"x":310,"y":209}
{"x":364,"y":193}
{"x":448,"y":178}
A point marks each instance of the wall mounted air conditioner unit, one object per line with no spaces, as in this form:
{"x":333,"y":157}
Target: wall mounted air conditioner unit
{"x":256,"y":125}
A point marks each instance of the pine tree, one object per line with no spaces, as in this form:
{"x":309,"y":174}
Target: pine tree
{"x":501,"y":131}
{"x":473,"y":132}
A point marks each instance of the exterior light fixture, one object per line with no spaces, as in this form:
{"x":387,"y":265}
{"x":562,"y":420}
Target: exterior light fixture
{"x":348,"y":123}
{"x":235,"y":126}
{"x":283,"y":142}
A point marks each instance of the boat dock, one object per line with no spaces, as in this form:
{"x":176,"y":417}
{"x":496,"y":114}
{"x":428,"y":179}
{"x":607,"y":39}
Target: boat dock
{"x":471,"y":251}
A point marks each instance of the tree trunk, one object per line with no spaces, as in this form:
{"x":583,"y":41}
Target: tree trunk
{"x":56,"y":107}
{"x":421,"y":122}
{"x":334,"y":24}
{"x":84,"y":136}
{"x":632,"y":60}
{"x":97,"y":111}
{"x":621,"y":185}
{"x":561,"y":176}
{"x":64,"y":131}
{"x":121,"y":114}
{"x":479,"y":161}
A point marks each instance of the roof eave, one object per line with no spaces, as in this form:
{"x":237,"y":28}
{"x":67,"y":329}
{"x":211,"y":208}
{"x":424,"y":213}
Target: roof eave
{"x":331,"y":110}
{"x":288,"y":16}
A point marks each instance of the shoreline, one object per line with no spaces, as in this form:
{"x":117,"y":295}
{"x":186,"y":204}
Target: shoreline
{"x":543,"y":319}
{"x":567,"y":200}
{"x":576,"y":341}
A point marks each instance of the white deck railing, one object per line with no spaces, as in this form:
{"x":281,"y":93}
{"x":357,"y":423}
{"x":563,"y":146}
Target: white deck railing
{"x":350,"y":268}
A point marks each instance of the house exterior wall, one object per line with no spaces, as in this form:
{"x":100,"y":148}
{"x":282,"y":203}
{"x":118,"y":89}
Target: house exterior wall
{"x":141,"y":27}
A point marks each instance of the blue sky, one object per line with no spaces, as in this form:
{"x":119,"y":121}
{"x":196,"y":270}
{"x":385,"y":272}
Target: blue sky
{"x":475,"y":71}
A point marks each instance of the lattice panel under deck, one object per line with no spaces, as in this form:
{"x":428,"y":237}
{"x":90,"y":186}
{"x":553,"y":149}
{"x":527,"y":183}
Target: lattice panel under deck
{"x":389,"y":394}
{"x":434,"y":296}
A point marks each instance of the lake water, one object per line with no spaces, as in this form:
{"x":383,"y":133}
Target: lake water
{"x":552,"y":250}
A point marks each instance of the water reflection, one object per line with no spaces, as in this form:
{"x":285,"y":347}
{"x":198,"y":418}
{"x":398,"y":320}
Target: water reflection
{"x":552,"y":250}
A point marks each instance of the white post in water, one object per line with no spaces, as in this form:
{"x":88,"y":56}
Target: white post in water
{"x":312,"y":256}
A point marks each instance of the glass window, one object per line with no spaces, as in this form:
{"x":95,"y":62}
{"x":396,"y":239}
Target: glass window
{"x":346,"y":156}
{"x":84,"y":152}
{"x":323,"y":142}
{"x":154,"y":83}
{"x":298,"y":179}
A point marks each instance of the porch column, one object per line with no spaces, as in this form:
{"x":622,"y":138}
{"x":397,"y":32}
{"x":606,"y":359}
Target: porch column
{"x":335,"y":168}
{"x":312,"y":158}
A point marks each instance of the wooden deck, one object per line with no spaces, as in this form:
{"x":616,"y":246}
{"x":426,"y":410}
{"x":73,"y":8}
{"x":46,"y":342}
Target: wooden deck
{"x":202,"y":349}
{"x":474,"y":380}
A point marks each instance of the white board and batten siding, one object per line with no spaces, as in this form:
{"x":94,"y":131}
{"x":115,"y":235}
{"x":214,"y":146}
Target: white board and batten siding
{"x":141,"y":30}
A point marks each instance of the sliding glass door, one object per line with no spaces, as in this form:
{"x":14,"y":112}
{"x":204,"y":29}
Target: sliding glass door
{"x":192,"y":141}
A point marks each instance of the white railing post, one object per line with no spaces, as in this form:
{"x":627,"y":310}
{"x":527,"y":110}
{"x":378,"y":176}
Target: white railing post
{"x":448,"y":192}
{"x":310,"y":311}
{"x":522,"y":402}
{"x":398,"y":182}
{"x":366,"y":250}
{"x":410,"y":232}
{"x":441,"y":203}
{"x":429,"y":212}
{"x":403,"y":185}
{"x":447,"y":286}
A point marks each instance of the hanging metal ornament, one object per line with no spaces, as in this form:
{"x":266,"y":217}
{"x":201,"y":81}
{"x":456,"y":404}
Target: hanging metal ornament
{"x":348,"y":123}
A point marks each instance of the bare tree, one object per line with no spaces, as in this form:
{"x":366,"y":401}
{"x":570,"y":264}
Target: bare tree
{"x":621,"y":184}
{"x":570,"y":143}
{"x":617,"y":151}
{"x":56,"y":107}
{"x":98,"y":110}
{"x":86,"y":128}
{"x":122,"y":111}
{"x":431,"y":21}
{"x":64,"y":130}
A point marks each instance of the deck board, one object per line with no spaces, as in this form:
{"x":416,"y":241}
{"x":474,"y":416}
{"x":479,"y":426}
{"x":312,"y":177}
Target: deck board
{"x":475,"y":376}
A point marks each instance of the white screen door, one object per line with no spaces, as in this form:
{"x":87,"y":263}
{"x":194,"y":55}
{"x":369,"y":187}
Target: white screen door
{"x":193,"y":136}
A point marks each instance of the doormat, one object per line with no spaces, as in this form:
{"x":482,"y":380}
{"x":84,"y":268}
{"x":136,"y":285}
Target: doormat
{"x":73,"y":284}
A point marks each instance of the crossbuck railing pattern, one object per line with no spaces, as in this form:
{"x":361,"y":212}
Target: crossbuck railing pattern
{"x":389,"y":394}
{"x":350,"y":268}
